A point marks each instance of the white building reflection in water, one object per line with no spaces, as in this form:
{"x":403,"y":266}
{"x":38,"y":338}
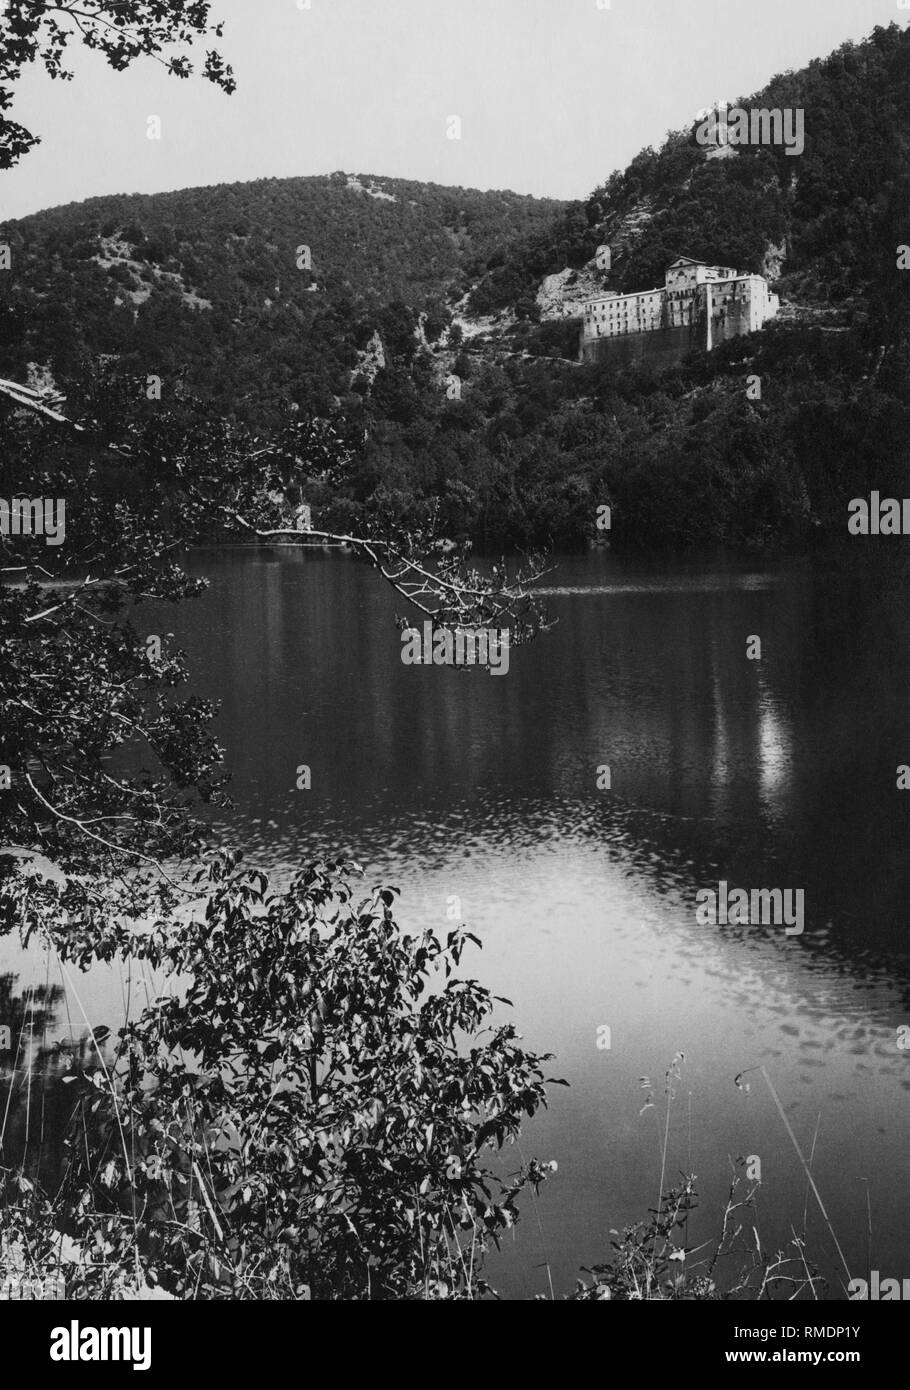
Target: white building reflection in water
{"x":775,"y":752}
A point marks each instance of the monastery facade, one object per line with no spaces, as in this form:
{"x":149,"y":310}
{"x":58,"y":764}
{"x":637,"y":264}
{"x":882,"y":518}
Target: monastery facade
{"x":699,"y":306}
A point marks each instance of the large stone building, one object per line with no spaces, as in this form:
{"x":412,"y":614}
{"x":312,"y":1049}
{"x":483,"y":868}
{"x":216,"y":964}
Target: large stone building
{"x":699,"y":306}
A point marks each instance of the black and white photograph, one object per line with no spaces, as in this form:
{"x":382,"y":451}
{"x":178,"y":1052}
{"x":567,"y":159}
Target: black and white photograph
{"x":455,"y":669}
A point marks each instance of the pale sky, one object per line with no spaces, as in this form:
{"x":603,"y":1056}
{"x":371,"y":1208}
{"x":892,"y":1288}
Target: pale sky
{"x":553,"y":95}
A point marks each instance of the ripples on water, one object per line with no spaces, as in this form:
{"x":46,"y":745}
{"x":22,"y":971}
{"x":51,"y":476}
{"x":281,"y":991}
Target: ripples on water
{"x":451,"y":784}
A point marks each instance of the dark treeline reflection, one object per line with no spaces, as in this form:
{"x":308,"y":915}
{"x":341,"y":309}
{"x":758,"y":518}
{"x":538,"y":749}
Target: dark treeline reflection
{"x":44,"y":1078}
{"x":779,"y":771}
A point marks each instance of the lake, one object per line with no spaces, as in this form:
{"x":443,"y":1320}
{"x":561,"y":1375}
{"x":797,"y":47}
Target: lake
{"x":480,"y":794}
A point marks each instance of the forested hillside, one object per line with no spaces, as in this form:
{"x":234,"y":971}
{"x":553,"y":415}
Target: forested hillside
{"x":819,"y":214}
{"x":421,"y":330}
{"x":208,"y":287}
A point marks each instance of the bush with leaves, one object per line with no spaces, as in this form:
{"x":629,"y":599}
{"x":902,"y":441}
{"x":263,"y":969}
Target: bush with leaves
{"x":308,"y":1113}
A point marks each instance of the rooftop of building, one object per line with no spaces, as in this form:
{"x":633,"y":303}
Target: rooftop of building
{"x":662,"y":289}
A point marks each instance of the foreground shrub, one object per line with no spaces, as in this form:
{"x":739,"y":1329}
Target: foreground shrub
{"x":309,"y":1112}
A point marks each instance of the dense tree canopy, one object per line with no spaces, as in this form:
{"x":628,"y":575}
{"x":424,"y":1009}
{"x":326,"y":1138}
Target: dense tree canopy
{"x":822,"y":209}
{"x":503,"y":432}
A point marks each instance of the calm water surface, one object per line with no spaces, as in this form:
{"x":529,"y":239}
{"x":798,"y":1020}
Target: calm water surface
{"x":455,"y":783}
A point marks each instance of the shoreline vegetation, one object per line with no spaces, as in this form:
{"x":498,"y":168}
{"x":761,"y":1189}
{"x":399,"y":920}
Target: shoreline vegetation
{"x":311,"y":1109}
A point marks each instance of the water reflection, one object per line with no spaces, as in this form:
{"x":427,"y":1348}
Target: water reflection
{"x":43,"y":1077}
{"x":779,"y":772}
